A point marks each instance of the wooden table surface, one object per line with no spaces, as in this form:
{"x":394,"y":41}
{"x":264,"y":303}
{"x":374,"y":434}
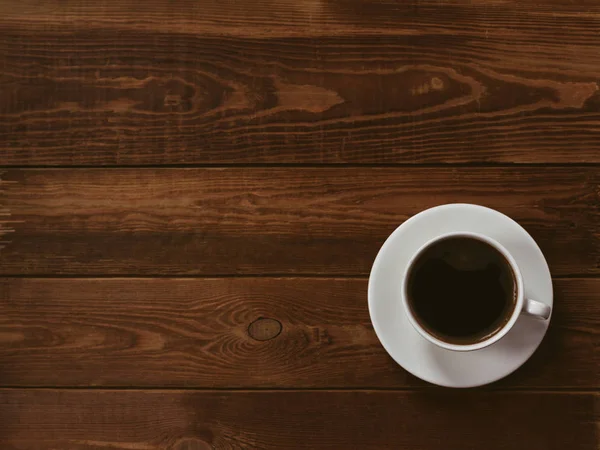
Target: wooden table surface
{"x":192,"y":194}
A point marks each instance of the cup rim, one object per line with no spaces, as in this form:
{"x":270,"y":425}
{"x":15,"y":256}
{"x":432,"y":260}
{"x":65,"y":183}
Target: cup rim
{"x":493,"y":338}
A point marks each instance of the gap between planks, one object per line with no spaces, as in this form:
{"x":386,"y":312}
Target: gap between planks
{"x":489,"y":389}
{"x":300,"y":165}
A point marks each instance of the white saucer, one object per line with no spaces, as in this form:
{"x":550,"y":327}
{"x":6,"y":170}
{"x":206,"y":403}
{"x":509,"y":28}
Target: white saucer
{"x":419,"y":356}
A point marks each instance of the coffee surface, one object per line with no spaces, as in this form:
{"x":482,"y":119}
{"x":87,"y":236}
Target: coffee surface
{"x":462,"y":290}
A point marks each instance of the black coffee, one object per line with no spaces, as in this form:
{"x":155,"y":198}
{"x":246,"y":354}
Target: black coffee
{"x":461,"y":290}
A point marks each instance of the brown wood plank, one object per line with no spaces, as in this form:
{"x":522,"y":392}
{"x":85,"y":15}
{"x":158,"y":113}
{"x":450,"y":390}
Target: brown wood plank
{"x":179,"y":420}
{"x":271,"y":221}
{"x":314,"y":333}
{"x":510,"y":18}
{"x":270,"y":81}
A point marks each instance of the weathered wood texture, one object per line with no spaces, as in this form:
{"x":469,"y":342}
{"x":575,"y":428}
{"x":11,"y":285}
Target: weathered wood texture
{"x":209,"y":333}
{"x":175,"y":420}
{"x":271,"y":221}
{"x":337,"y":81}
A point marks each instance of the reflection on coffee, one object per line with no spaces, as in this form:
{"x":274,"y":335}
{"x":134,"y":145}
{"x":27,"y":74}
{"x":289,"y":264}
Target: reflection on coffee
{"x":462,"y":290}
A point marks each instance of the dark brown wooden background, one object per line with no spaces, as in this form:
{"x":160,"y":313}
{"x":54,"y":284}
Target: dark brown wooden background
{"x":192,"y":194}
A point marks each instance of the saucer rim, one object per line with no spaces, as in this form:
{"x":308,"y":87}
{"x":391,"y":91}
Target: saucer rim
{"x":378,"y":328}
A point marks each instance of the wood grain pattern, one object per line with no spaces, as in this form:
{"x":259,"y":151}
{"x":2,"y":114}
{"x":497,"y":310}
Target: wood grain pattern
{"x":506,"y":18}
{"x":272,"y":221}
{"x":202,"y":333}
{"x":342,"y":81}
{"x":310,"y":17}
{"x":175,"y":420}
{"x":506,"y":92}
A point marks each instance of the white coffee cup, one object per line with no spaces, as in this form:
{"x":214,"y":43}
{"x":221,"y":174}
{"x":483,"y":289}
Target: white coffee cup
{"x":522,"y":305}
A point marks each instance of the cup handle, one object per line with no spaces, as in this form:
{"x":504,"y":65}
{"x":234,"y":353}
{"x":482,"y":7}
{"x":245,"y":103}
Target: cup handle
{"x":536,"y":309}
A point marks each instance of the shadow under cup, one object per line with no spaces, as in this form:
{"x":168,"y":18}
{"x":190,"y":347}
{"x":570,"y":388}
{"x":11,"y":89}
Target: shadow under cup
{"x":461,"y":290}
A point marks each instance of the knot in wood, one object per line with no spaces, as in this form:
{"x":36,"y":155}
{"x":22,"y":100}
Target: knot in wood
{"x":263,"y":329}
